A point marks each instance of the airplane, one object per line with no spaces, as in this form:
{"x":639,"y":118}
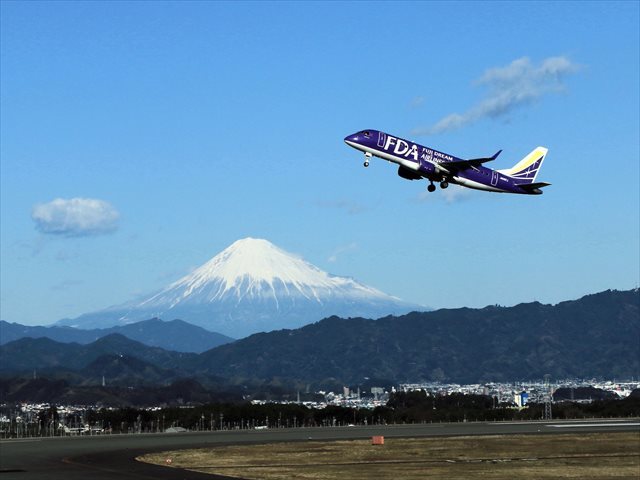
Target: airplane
{"x":416,"y":162}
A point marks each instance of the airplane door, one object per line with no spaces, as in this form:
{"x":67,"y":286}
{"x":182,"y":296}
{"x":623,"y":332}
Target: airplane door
{"x":494,"y":178}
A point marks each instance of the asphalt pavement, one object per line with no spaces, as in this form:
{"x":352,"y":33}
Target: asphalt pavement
{"x":113,"y":456}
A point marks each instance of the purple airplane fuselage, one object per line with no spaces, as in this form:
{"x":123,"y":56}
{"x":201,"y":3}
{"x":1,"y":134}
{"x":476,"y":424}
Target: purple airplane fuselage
{"x":416,"y":162}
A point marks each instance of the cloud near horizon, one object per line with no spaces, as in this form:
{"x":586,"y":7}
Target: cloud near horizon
{"x":515,"y":85}
{"x":75,"y":217}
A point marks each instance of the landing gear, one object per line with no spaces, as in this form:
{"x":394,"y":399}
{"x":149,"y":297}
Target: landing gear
{"x":367,"y":156}
{"x":431,"y":187}
{"x":444,"y":184}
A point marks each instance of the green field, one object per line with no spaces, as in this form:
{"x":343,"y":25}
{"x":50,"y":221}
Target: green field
{"x":592,"y":456}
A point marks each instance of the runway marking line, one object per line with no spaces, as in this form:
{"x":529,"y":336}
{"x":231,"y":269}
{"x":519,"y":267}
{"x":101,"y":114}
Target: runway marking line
{"x":593,"y":425}
{"x":20,"y":440}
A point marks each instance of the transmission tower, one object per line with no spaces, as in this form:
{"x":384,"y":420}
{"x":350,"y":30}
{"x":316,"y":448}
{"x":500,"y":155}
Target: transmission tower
{"x":548,"y":399}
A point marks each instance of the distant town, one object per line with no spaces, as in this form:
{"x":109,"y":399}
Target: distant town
{"x":44,"y":419}
{"x":517,"y":393}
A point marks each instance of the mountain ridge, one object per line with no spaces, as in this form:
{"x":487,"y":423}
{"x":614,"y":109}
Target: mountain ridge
{"x":249,"y":287}
{"x":28,"y":354}
{"x":176,"y":335}
{"x":595,"y":336}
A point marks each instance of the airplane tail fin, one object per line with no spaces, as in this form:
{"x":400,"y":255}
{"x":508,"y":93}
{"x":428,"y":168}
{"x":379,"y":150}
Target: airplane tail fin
{"x":526,"y":170}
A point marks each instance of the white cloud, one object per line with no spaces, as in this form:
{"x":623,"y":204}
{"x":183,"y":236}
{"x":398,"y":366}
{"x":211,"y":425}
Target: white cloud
{"x":66,"y":285}
{"x":352,"y":208}
{"x":75,"y":217}
{"x":515,"y":85}
{"x":417,"y":102}
{"x":341,"y":250}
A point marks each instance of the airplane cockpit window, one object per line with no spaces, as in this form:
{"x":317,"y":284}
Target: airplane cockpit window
{"x":366,"y":134}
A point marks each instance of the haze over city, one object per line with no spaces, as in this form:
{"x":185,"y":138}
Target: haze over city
{"x":139,"y":140}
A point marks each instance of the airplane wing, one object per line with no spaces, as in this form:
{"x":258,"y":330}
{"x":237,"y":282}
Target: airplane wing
{"x":486,"y":159}
{"x":465,"y":164}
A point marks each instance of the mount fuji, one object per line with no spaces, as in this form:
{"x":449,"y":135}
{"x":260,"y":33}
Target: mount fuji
{"x":249,"y":287}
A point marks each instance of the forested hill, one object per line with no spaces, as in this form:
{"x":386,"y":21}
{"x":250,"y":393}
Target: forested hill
{"x":595,"y":336}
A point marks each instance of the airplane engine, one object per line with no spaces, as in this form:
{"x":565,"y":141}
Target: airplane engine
{"x":408,"y":174}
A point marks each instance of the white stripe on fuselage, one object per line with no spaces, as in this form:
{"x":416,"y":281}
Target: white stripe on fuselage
{"x":477,"y":185}
{"x":416,"y":167}
{"x":411,"y":165}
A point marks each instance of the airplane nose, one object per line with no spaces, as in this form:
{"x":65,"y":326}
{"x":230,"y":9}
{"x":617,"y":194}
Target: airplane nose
{"x":351,"y":138}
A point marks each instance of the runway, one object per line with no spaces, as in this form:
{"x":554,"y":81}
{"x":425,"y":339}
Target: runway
{"x":113,"y":456}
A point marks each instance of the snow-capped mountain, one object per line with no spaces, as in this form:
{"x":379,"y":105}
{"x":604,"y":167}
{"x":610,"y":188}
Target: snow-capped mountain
{"x":249,"y":287}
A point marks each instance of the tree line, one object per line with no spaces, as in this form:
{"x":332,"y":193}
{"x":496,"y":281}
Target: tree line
{"x":402,"y":407}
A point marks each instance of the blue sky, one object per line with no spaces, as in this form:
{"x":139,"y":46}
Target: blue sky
{"x":139,"y":139}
